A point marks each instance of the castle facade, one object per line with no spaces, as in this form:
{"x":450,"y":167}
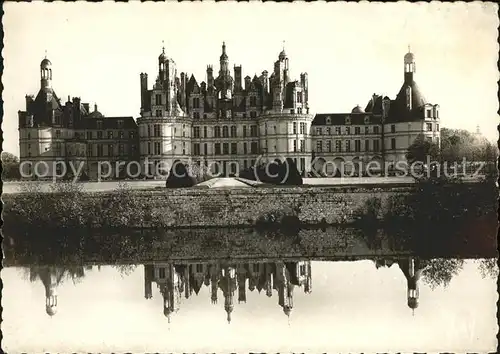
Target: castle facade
{"x":226,"y":124}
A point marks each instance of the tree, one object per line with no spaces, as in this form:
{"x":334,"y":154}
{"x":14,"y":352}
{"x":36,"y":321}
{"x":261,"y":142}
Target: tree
{"x":440,"y":271}
{"x":10,"y":166}
{"x":421,"y":149}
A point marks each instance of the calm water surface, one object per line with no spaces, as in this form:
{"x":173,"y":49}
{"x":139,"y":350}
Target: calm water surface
{"x":384,"y":304}
{"x":332,"y":290}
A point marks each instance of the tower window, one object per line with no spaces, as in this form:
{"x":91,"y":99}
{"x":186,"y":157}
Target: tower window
{"x":429,"y":127}
{"x":158,"y":99}
{"x":393,"y":144}
{"x":393,"y":128}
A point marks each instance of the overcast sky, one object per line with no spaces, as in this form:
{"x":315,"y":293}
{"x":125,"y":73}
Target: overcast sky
{"x":353,"y":307}
{"x":350,"y":50}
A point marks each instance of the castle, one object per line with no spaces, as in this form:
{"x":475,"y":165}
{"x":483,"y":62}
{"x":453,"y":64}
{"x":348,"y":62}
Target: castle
{"x":227,"y":123}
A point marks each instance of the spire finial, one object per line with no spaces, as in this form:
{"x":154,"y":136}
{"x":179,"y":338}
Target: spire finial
{"x":163,"y":46}
{"x":283,"y":44}
{"x":45,"y":53}
{"x":409,"y":48}
{"x":223,"y":47}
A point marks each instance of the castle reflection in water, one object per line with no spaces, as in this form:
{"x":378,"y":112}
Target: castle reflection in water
{"x":176,"y":280}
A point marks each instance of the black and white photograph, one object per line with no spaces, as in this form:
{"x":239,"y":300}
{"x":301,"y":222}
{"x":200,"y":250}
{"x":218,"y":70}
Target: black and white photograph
{"x":242,"y":177}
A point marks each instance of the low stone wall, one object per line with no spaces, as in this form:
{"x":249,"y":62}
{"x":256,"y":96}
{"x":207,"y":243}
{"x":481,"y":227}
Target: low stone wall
{"x":248,"y":206}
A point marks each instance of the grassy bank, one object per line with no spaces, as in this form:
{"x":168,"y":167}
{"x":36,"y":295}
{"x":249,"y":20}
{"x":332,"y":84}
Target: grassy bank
{"x":429,"y":205}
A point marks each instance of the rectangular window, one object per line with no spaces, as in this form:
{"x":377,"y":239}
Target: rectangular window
{"x":205,"y":132}
{"x":299,"y":97}
{"x":338,"y":146}
{"x":110,"y":150}
{"x":157,"y":149}
{"x":110,"y":134}
{"x":99,"y":135}
{"x":302,"y":164}
{"x":329,"y":145}
{"x":89,"y":135}
{"x":328,"y":131}
{"x":357,"y":145}
{"x":121,"y":149}
{"x":376,"y":145}
{"x":244,"y":131}
{"x":149,"y":148}
{"x":367,"y":130}
{"x":158,"y":99}
{"x":233,"y":131}
{"x":99,"y":124}
{"x":375,"y":129}
{"x":121,"y":133}
{"x":294,"y":128}
{"x":348,"y":146}
{"x":234,"y":148}
{"x":367,"y":145}
{"x":131,"y":134}
{"x":295,"y":146}
{"x":253,"y":101}
{"x":217,"y":132}
{"x":393,"y":144}
{"x":393,"y":128}
{"x":357,"y":130}
{"x":100,"y":150}
{"x":319,"y":131}
{"x":196,"y":149}
{"x":217,"y":148}
{"x":58,"y":134}
{"x":205,"y":149}
{"x":196,"y":102}
{"x":337,"y":130}
{"x":161,"y":273}
{"x":254,"y":148}
{"x":348,"y":130}
{"x":196,"y":132}
{"x":302,"y":145}
{"x":253,"y":130}
{"x":429,"y":127}
{"x":158,"y":112}
{"x":302,"y":128}
{"x":245,"y":148}
{"x":156,"y":130}
{"x":225,"y":132}
{"x":428,"y":113}
{"x":319,"y":146}
{"x":253,"y":114}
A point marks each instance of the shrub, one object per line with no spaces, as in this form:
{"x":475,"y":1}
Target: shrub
{"x":179,"y":176}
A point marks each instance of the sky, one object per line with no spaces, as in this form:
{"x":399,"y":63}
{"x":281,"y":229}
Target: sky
{"x":349,"y":50}
{"x":353,"y":307}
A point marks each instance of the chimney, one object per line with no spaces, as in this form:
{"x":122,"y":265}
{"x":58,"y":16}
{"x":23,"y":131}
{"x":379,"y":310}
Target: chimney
{"x":95,"y":107}
{"x":247,"y":82}
{"x":237,"y":78}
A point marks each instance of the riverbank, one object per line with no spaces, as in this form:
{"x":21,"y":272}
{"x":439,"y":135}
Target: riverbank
{"x":14,"y":187}
{"x":288,"y":207}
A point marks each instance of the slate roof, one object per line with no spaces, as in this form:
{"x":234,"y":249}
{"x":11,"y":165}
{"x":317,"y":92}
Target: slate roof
{"x":340,"y":119}
{"x":109,"y":122}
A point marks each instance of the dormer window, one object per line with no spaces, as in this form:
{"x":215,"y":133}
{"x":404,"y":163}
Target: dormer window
{"x":367,"y":120}
{"x":99,"y":124}
{"x":328,"y":120}
{"x":120,"y":123}
{"x":347,"y":120}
